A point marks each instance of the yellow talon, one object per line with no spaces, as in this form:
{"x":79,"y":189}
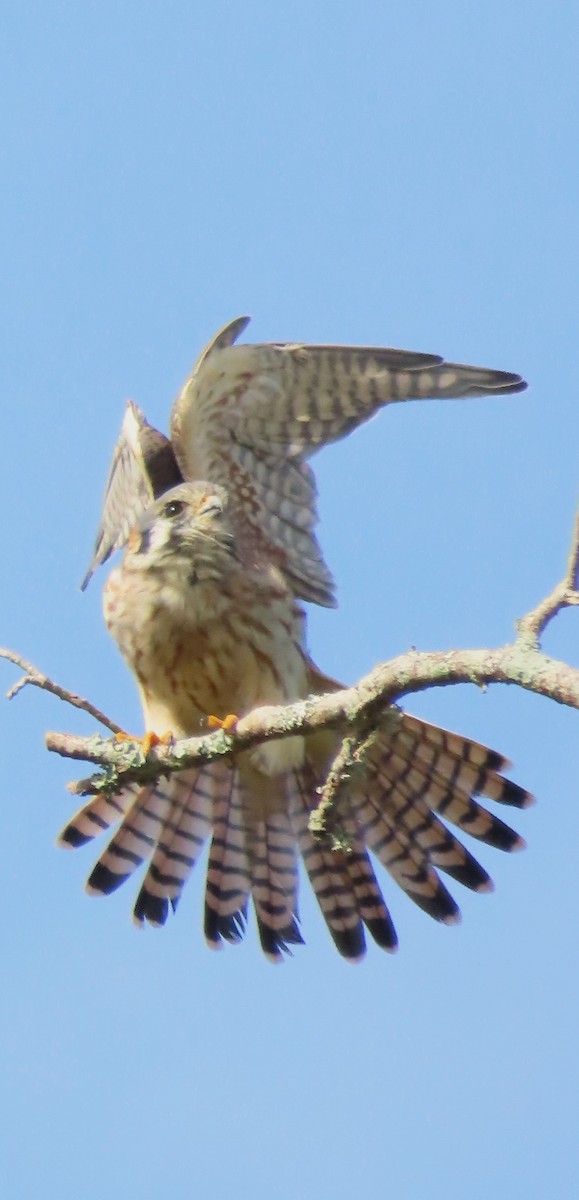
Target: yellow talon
{"x":228,"y":723}
{"x":147,"y":741}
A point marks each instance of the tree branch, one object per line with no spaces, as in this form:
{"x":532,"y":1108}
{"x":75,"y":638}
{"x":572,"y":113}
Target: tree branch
{"x":564,"y":595}
{"x":355,"y":710}
{"x":37,"y":678}
{"x":415,"y":671}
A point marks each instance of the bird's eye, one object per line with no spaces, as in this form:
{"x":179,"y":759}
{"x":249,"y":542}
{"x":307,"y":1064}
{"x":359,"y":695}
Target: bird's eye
{"x":173,"y":508}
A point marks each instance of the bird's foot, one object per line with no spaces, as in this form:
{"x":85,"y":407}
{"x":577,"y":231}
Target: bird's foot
{"x":227,"y":724}
{"x":148,"y":740}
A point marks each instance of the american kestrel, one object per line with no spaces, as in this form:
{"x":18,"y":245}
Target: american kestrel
{"x":208,"y":623}
{"x":250,"y":416}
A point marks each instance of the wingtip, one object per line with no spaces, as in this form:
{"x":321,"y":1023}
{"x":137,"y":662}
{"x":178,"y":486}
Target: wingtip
{"x":134,"y":422}
{"x":518,"y":385}
{"x":228,"y":334}
{"x":239,"y":324}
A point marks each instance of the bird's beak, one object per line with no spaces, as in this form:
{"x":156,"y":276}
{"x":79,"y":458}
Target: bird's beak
{"x":138,"y":538}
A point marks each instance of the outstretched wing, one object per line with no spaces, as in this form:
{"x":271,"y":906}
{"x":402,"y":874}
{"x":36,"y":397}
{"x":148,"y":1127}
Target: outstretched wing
{"x":250,"y":416}
{"x":143,"y":468}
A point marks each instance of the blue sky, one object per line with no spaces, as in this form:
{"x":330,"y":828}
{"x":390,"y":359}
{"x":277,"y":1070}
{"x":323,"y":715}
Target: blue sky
{"x":402,"y":175}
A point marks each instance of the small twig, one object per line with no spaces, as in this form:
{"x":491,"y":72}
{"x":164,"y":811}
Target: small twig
{"x":37,"y":678}
{"x":573,"y":561}
{"x":349,"y":761}
{"x":564,"y":595}
{"x":322,"y":819}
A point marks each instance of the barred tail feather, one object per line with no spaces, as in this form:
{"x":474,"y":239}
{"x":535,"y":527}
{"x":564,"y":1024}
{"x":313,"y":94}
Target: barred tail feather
{"x":370,"y":901}
{"x":414,"y":818}
{"x":329,"y":881}
{"x":228,"y":875}
{"x":414,"y":797}
{"x":430,"y":742}
{"x":274,"y":885}
{"x":416,"y":773}
{"x":343,"y":881}
{"x":95,"y":816}
{"x":404,"y":861}
{"x":133,"y":841}
{"x":185,"y":830}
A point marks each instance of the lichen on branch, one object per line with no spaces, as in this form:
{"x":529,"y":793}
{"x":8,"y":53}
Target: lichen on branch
{"x":355,"y":711}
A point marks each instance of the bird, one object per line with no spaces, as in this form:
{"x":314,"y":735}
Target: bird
{"x":250,"y":416}
{"x":209,"y":623}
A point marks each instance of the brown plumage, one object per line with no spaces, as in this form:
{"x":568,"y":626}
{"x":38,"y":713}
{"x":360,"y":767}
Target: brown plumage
{"x":249,"y":417}
{"x":208,"y":623}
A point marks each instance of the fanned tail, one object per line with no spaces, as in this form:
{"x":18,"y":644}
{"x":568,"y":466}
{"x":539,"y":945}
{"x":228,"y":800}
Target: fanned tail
{"x":414,"y":775}
{"x":415,"y":771}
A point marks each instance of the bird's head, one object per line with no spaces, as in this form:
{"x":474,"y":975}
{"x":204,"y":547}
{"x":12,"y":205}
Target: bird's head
{"x":186,"y":530}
